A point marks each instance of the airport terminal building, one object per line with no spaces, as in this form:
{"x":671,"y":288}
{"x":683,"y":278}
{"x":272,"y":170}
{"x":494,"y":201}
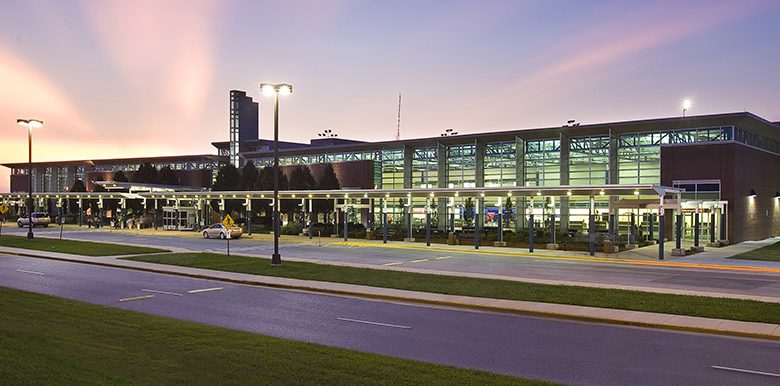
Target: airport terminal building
{"x":726,"y":164}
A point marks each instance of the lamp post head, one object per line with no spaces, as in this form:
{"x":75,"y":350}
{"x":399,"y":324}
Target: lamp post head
{"x":269,"y":89}
{"x":30,"y":123}
{"x":686,"y":104}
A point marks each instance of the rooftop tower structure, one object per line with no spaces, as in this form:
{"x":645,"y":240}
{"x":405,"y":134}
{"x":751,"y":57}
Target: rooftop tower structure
{"x":243,"y":124}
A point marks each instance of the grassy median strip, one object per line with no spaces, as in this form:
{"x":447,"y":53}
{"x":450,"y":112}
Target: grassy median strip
{"x":767,"y":253}
{"x":47,"y":340}
{"x":733,"y":309}
{"x":84,"y":248}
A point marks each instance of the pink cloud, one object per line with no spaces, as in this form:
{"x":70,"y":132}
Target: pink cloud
{"x":166,"y":43}
{"x":579,"y":58}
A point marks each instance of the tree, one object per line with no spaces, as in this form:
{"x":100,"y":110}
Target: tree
{"x":468,"y":211}
{"x":508,"y":212}
{"x":228,"y":178}
{"x":328,"y":181}
{"x":167,"y":176}
{"x":120,"y":176}
{"x":249,"y":177}
{"x":301,"y":179}
{"x":146,"y":174}
{"x":265,"y":179}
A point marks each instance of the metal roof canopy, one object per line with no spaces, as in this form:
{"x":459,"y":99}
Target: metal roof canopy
{"x":138,"y":187}
{"x":509,"y":191}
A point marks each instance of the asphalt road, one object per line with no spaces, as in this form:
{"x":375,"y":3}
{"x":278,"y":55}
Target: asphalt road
{"x":558,"y":350}
{"x":702,"y":280}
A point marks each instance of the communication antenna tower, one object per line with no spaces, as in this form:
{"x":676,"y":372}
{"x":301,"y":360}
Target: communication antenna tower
{"x":398,"y":127}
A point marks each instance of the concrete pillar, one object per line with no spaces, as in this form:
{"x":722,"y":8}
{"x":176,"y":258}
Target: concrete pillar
{"x":712,"y":226}
{"x":519,"y":163}
{"x":650,"y":226}
{"x":722,"y":225}
{"x":479,"y":175}
{"x":81,"y":211}
{"x":408,"y":154}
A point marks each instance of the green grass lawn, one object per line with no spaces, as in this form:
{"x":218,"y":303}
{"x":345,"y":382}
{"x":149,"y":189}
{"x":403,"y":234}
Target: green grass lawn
{"x":735,"y":309}
{"x":47,"y":340}
{"x":74,"y":247}
{"x":767,"y":253}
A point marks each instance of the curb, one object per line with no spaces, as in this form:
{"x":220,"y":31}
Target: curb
{"x":775,"y":335}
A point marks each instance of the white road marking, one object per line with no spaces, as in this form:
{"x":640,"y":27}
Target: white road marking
{"x":32,"y":272}
{"x":372,"y":323}
{"x":443,"y":257}
{"x":746,"y":371}
{"x":161,"y":292}
{"x":419,"y":261}
{"x":136,"y":298}
{"x":204,"y":290}
{"x":390,"y":264}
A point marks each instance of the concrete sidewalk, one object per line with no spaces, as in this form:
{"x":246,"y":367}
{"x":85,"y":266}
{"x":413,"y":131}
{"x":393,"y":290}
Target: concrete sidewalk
{"x":731,"y":327}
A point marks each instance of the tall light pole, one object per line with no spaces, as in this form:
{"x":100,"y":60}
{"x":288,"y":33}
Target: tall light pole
{"x":29,"y":123}
{"x":686,"y":105}
{"x":269,"y":89}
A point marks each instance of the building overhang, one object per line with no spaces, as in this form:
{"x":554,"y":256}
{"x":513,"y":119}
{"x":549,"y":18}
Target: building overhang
{"x":581,"y":191}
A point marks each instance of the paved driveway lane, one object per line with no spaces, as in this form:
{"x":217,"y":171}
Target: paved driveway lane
{"x":559,"y":350}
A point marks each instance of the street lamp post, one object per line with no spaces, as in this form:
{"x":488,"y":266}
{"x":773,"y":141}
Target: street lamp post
{"x":268,"y":90}
{"x":29,"y":123}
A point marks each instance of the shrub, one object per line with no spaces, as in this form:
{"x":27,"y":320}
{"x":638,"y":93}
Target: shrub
{"x":291,"y":229}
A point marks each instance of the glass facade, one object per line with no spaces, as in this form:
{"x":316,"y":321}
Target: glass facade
{"x":501,"y":164}
{"x":425,"y":167}
{"x":639,"y":155}
{"x":589,"y":161}
{"x":392,"y":169}
{"x":543,"y":162}
{"x":462,"y":166}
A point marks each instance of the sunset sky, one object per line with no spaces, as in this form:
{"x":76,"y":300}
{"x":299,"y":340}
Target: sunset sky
{"x":151,"y":78}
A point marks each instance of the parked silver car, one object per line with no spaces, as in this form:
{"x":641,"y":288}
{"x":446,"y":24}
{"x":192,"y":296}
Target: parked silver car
{"x":219,"y":230}
{"x":38,"y":219}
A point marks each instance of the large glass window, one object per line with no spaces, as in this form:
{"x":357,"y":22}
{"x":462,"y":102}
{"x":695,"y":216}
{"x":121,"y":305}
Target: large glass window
{"x":543,"y":162}
{"x":392,"y":169}
{"x":500,"y":164}
{"x":425,"y":167}
{"x":589,"y":161}
{"x":461,"y":166}
{"x":639,"y":155}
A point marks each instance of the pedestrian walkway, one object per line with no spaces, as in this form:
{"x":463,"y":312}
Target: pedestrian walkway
{"x":763,"y":330}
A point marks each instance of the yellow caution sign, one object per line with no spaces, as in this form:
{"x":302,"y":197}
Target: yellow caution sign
{"x":3,"y":208}
{"x":228,"y":221}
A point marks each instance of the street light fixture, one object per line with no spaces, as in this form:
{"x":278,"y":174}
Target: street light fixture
{"x":30,"y":124}
{"x":686,"y":105}
{"x":327,"y":133}
{"x":269,"y":89}
{"x":448,"y":133}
